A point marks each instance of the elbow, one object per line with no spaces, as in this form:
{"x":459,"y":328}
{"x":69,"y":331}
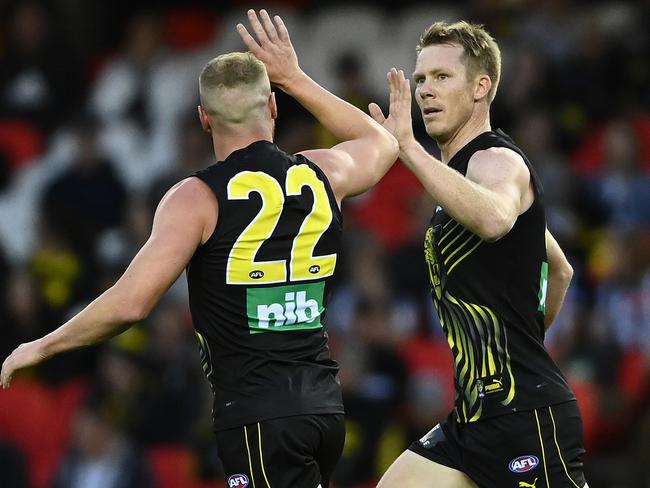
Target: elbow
{"x":132,"y":314}
{"x":136,"y":314}
{"x":566,"y":273}
{"x":494,"y":228}
{"x":126,"y":305}
{"x":388,"y":144}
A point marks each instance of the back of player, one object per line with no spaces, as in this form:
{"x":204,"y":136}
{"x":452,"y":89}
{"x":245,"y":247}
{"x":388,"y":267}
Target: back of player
{"x":258,"y":296}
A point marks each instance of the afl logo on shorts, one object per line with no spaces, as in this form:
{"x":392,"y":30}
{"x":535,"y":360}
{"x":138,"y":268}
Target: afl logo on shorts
{"x":237,"y":481}
{"x":523,"y":464}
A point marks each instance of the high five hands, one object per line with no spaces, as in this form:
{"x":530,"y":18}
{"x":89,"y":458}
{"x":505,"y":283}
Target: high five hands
{"x":398,"y":121}
{"x":272,"y":46}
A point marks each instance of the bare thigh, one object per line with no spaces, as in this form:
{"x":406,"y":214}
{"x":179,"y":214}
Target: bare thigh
{"x":411,"y":470}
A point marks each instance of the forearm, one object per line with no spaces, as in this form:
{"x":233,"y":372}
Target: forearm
{"x":475,"y":207}
{"x":107,"y":316}
{"x":344,"y":120}
{"x":555,"y":294}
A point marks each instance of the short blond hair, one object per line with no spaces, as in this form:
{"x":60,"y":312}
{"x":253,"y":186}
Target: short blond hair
{"x":481,"y":53}
{"x":232,"y":85}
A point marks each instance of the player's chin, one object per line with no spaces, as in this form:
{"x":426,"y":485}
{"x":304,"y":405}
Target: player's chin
{"x":435,"y":130}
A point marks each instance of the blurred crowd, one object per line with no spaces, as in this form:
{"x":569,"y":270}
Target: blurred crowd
{"x":98,"y":119}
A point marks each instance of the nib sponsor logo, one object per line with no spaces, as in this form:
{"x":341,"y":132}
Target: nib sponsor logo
{"x":283,"y":308}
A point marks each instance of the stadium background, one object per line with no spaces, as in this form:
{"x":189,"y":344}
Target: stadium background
{"x":97,"y":120}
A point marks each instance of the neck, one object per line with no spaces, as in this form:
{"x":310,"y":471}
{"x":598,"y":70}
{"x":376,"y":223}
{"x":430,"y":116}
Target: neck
{"x":225,"y":144}
{"x":478,"y":123}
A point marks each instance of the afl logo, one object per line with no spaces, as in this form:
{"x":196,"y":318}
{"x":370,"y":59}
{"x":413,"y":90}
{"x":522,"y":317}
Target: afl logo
{"x":237,"y":481}
{"x":522,"y":464}
{"x":256,"y":274}
{"x":314,"y":269}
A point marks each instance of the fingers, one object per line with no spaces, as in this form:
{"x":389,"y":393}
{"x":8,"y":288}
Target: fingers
{"x":250,"y":42}
{"x":257,"y":27}
{"x":282,"y":29}
{"x":268,"y":26}
{"x":376,"y":113}
{"x":5,"y":376}
{"x":400,"y":87}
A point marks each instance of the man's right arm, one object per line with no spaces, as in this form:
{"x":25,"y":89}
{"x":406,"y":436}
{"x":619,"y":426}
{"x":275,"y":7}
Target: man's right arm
{"x":368,"y":149}
{"x":560,"y":273}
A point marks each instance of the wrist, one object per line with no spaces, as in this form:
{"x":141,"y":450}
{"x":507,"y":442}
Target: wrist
{"x":292,"y":80}
{"x":408,"y":147}
{"x":44,"y":346}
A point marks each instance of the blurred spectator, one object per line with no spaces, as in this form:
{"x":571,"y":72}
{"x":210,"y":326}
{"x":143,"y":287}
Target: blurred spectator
{"x":23,"y":311}
{"x":75,"y":206}
{"x":139,"y":96}
{"x":373,"y":376}
{"x":352,"y":86}
{"x":101,"y":456}
{"x":622,"y":309}
{"x":195,"y":153}
{"x":536,"y":136}
{"x":88,"y":197}
{"x":622,"y":186}
{"x":13,"y":467}
{"x":122,"y":381}
{"x":40,"y":79}
{"x":172,"y":401}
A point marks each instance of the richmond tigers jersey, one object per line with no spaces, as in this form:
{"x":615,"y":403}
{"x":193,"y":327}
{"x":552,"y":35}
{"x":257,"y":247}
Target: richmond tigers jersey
{"x":490,"y":299}
{"x":259,"y":287}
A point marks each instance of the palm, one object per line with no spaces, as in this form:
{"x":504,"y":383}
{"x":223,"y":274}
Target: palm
{"x":398,"y":121}
{"x":272,"y":46}
{"x":23,"y":356}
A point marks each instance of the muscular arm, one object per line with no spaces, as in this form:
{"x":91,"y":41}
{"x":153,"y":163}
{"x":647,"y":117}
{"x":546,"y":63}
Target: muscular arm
{"x":183,"y":220}
{"x":368,"y":149}
{"x":488,"y":200}
{"x":560,"y":273}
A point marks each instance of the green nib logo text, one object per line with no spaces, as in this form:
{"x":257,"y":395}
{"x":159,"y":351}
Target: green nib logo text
{"x":285,"y":308}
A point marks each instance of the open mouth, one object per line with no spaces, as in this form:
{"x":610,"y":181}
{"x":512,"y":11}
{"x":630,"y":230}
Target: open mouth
{"x":431,"y":110}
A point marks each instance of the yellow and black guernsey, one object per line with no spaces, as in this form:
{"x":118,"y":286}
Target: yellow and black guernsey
{"x":258,"y":288}
{"x":490,"y":299}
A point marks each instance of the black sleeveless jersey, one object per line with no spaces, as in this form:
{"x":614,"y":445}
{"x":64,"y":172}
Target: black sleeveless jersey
{"x":259,"y":287}
{"x":490,"y":299}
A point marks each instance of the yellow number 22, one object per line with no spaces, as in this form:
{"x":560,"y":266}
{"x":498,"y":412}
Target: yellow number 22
{"x":242,"y":267}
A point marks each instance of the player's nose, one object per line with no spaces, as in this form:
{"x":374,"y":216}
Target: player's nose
{"x":425,"y":90}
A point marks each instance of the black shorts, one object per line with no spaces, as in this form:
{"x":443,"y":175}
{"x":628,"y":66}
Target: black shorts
{"x":540,"y":448}
{"x":287,"y":452}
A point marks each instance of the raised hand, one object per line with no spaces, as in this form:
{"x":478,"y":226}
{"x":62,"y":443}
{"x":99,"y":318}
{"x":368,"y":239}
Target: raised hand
{"x":398,"y":121}
{"x":25,"y":355}
{"x":272,"y":47}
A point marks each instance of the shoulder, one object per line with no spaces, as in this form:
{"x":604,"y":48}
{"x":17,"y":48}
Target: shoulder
{"x":499,"y":163}
{"x":190,"y":191}
{"x":192,"y":205}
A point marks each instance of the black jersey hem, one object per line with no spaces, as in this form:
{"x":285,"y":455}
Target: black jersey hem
{"x":219,"y":425}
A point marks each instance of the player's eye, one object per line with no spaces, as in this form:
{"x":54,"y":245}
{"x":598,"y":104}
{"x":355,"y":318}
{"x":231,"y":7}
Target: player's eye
{"x":418,"y":80}
{"x":442,"y":76}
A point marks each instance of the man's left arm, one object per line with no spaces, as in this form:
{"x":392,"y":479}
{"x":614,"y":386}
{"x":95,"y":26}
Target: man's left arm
{"x":178,"y":229}
{"x":560,"y":273}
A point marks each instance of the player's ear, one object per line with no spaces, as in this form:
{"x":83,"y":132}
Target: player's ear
{"x":203,"y":117}
{"x":273,"y":106}
{"x":482,"y":87}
